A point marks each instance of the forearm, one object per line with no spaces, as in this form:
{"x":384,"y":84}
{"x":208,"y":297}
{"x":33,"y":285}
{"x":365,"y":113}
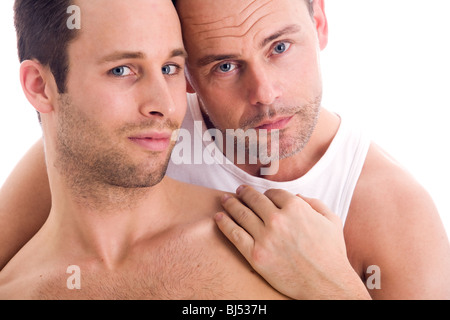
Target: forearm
{"x":325,"y":281}
{"x":344,"y":287}
{"x":25,"y":203}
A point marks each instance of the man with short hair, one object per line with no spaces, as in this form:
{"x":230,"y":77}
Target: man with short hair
{"x":254,"y":65}
{"x":128,"y":231}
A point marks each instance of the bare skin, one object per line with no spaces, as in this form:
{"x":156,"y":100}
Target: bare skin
{"x":392,"y":222}
{"x":180,"y":257}
{"x":260,"y":59}
{"x":376,"y":233}
{"x":133,"y":233}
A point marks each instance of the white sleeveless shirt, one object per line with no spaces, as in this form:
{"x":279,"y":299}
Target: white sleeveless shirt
{"x":197,"y":160}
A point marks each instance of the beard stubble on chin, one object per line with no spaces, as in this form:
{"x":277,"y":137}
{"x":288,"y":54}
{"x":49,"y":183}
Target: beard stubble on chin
{"x":290,"y":142}
{"x":95,"y":163}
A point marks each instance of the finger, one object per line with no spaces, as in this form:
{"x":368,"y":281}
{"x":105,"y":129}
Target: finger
{"x":242,"y":215}
{"x":236,"y":234}
{"x":321,"y":208}
{"x":280,"y":197}
{"x":256,"y":201}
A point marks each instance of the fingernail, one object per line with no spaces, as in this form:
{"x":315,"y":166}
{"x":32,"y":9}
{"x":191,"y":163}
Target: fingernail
{"x":225,"y":197}
{"x":239,"y":190}
{"x":218,"y":216}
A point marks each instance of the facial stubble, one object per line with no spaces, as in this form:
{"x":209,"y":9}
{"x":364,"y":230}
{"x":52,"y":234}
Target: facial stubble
{"x":302,"y":125}
{"x":96,"y":163}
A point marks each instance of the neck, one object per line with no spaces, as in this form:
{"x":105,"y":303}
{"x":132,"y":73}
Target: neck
{"x":104,"y":225}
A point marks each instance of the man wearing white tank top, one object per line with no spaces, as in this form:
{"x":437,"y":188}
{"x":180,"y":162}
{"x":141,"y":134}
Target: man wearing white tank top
{"x":254,"y":66}
{"x":332,"y":179}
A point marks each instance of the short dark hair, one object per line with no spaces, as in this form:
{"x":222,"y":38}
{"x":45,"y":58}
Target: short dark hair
{"x":42,"y":34}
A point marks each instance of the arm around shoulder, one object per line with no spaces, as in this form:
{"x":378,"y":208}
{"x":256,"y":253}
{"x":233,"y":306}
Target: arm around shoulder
{"x":395,"y":227}
{"x":25,"y":202}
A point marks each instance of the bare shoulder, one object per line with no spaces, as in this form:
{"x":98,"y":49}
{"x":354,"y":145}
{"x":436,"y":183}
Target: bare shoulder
{"x":200,"y":201}
{"x":213,"y":250}
{"x":394,"y":224}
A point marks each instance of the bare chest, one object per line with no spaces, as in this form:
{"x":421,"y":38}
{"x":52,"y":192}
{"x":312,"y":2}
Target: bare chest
{"x":195,"y":262}
{"x":181,"y":267}
{"x":168,"y":272}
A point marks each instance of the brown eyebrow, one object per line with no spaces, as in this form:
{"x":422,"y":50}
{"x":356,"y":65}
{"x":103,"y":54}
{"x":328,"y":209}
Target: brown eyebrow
{"x":213,"y":58}
{"x":120,"y":55}
{"x":206,"y":60}
{"x":293,"y":28}
{"x":181,"y":52}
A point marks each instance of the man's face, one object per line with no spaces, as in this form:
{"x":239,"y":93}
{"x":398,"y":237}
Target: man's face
{"x":125,"y":93}
{"x":255,"y":65}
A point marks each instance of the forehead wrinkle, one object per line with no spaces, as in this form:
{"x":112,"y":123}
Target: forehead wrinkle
{"x":232,"y":19}
{"x":251,"y":3}
{"x":206,"y":23}
{"x":239,"y":35}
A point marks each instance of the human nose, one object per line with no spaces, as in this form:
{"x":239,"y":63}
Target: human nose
{"x":262,"y":86}
{"x":155,"y":99}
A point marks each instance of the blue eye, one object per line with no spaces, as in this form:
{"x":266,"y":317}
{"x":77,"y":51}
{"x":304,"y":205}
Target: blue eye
{"x":226,"y":67}
{"x":121,"y":71}
{"x":281,"y":47}
{"x":170,"y":69}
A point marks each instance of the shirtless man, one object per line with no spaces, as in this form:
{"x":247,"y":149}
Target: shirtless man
{"x":259,"y":60}
{"x":107,"y":128}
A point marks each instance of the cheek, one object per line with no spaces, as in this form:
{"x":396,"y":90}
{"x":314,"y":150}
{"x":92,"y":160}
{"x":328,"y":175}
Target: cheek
{"x":303,"y":82}
{"x":303,"y":65}
{"x":76,"y":131}
{"x":223,"y":101}
{"x":106,"y":105}
{"x":100,"y":98}
{"x":223,"y":112}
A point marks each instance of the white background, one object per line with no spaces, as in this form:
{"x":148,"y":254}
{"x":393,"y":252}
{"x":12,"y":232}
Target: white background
{"x":386,"y":67}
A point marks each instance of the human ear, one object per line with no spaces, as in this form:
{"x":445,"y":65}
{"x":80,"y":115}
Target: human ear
{"x":321,"y":22}
{"x":35,"y":84}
